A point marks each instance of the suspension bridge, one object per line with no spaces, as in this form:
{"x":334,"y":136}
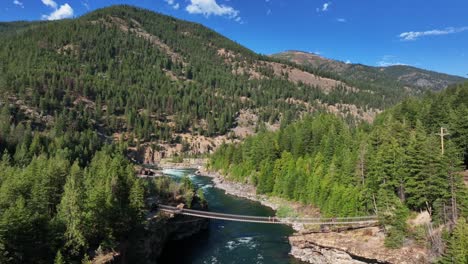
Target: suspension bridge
{"x":357,"y":220}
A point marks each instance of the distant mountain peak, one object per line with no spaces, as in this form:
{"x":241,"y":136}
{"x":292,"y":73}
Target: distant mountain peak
{"x":403,"y":75}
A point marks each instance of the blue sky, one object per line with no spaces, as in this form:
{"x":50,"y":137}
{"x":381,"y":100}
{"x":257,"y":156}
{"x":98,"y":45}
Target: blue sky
{"x":430,"y":34}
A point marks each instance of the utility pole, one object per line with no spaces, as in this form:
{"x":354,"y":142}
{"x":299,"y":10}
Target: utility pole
{"x":443,"y":132}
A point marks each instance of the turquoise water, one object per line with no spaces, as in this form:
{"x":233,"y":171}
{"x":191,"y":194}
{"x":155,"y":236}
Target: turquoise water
{"x":226,"y":241}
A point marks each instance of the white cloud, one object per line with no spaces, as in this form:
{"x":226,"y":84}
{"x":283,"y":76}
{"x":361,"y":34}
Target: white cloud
{"x":341,"y":20}
{"x":389,"y":60}
{"x":210,"y":7}
{"x":65,"y":11}
{"x":325,"y":6}
{"x":387,"y":63}
{"x":173,"y":4}
{"x":348,"y":62}
{"x":414,"y":35}
{"x":50,"y":3}
{"x":18,"y":3}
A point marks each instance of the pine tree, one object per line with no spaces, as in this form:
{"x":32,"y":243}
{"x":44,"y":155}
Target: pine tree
{"x":59,"y":258}
{"x":417,"y":160}
{"x":137,"y":199}
{"x":71,"y":211}
{"x":392,"y":215}
{"x":457,"y":249}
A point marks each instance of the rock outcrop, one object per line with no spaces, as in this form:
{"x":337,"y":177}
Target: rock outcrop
{"x":365,"y":245}
{"x":161,"y":230}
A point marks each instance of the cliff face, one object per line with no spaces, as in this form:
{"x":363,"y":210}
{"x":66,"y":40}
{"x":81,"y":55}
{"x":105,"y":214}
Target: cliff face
{"x":159,"y":231}
{"x":352,"y":247}
{"x":146,"y":244}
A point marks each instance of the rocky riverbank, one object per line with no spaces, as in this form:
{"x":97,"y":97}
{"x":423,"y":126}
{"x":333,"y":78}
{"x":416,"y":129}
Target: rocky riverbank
{"x":365,"y":245}
{"x":162,"y":229}
{"x":249,"y":192}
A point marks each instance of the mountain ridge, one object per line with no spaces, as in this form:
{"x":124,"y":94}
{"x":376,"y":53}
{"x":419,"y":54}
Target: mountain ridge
{"x":154,"y":80}
{"x":403,"y":74}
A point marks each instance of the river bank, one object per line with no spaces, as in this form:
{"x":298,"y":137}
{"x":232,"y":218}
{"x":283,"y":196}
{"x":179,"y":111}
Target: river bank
{"x":249,"y":192}
{"x":230,"y":241}
{"x":365,"y":245}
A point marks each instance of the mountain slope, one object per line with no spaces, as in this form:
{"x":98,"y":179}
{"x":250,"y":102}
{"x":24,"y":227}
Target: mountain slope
{"x":412,"y":77}
{"x":130,"y":69}
{"x":164,"y":84}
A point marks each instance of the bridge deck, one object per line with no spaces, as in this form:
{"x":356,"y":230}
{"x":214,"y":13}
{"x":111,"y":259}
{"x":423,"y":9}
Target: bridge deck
{"x":361,"y":220}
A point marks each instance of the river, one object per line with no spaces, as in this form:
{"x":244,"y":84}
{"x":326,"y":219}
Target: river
{"x":227,"y":241}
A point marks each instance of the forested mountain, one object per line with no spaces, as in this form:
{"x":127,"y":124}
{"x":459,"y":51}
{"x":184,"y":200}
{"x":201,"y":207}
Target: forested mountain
{"x":76,"y":96}
{"x":389,"y":168}
{"x":141,"y":75}
{"x":416,"y":80}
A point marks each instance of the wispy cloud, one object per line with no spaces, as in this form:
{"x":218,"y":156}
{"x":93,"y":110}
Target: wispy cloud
{"x":324,"y":8}
{"x":18,"y":3}
{"x":211,"y":7}
{"x":64,"y":11}
{"x":414,"y":35}
{"x":389,"y":60}
{"x":341,"y":20}
{"x":85,"y":4}
{"x":173,"y":4}
{"x":50,"y":3}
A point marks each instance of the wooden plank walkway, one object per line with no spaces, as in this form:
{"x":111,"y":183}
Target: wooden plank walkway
{"x":360,"y":220}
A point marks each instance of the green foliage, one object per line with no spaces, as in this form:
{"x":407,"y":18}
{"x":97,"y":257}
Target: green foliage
{"x":48,"y":205}
{"x":89,"y":68}
{"x":59,"y":258}
{"x":393,"y":83}
{"x":110,"y":204}
{"x":457,"y":251}
{"x":63,"y":192}
{"x":291,"y":164}
{"x":420,"y":235}
{"x":389,"y":168}
{"x":392,"y":215}
{"x":71,"y":212}
{"x":201,"y":195}
{"x":188,"y":190}
{"x":86,"y":260}
{"x":285,"y":211}
{"x":172,"y":191}
{"x":48,"y":196}
{"x":177,"y":159}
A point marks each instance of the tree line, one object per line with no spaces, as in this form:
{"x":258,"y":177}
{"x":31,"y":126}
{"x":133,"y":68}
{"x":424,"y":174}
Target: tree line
{"x":66,"y":195}
{"x":389,"y":168}
{"x":125,"y":82}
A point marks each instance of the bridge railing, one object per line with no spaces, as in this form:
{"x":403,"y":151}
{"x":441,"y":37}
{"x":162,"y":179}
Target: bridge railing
{"x":270,"y":219}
